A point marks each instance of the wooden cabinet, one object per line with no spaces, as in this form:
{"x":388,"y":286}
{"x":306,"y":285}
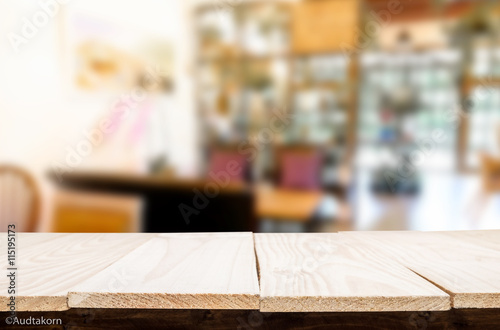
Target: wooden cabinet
{"x":324,"y":25}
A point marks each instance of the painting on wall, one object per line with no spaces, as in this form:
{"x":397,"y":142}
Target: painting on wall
{"x":125,"y":74}
{"x":102,"y":55}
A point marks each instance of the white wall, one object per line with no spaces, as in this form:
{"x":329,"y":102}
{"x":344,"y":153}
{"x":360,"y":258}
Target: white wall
{"x":39,"y":118}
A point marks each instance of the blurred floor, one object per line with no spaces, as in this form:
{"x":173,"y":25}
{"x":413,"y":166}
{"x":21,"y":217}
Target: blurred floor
{"x":446,"y":202}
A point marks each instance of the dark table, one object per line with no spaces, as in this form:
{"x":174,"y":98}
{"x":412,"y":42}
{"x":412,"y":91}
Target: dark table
{"x":175,"y":204}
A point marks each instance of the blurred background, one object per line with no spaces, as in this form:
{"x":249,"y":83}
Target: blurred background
{"x":233,"y":115}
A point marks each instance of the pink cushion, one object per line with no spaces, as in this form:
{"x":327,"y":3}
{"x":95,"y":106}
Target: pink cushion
{"x":219,"y":161}
{"x":301,"y":171}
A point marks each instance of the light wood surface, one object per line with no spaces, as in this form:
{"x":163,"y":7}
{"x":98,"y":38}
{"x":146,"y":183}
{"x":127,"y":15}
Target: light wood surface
{"x":320,"y":272}
{"x":177,"y":271}
{"x":483,"y":238}
{"x":48,"y":265}
{"x":289,"y":205}
{"x":347,"y":271}
{"x":465,"y":264}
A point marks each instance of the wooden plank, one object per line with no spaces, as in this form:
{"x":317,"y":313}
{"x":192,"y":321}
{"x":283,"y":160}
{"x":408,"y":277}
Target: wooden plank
{"x":48,"y":265}
{"x":320,"y":272}
{"x":484,"y":238}
{"x":175,"y":271}
{"x":465,"y":264}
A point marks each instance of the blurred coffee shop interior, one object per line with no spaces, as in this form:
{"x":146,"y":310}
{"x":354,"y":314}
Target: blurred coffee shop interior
{"x":234,"y":115}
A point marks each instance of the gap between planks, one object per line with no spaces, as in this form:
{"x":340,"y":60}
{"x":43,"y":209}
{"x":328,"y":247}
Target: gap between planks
{"x":49,"y":264}
{"x":465,"y":264}
{"x":295,"y":277}
{"x":178,"y":271}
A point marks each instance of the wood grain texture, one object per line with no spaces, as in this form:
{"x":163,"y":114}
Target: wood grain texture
{"x":48,"y":265}
{"x":348,"y":271}
{"x":322,"y":272}
{"x":482,"y":238}
{"x":175,"y":271}
{"x":465,"y":264}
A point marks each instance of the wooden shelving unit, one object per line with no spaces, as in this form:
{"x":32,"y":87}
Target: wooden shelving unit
{"x":334,"y":113}
{"x":313,"y":34}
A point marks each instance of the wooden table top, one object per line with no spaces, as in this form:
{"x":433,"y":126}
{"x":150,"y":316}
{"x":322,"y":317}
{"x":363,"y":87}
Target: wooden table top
{"x":328,"y":272}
